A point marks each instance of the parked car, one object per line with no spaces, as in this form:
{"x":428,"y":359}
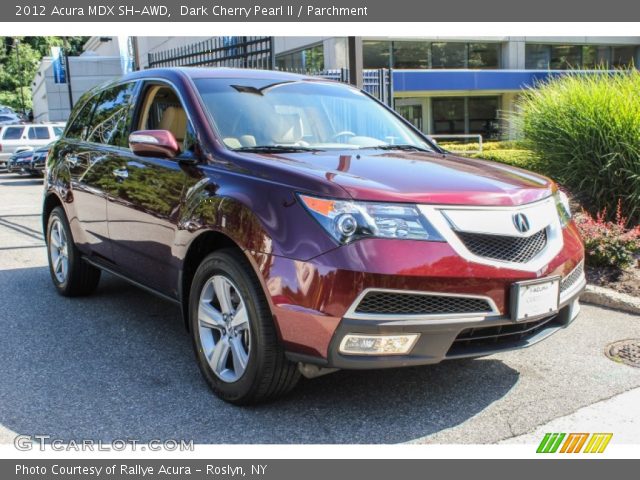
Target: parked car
{"x":17,"y":161}
{"x":9,"y":118}
{"x":39,"y":160}
{"x":301,"y":227}
{"x":15,"y":138}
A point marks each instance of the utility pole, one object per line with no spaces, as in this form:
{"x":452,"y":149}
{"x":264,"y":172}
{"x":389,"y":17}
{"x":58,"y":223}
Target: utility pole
{"x":68,"y":71}
{"x":16,"y":43}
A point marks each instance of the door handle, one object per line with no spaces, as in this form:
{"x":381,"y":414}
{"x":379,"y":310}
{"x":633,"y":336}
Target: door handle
{"x":121,"y":173}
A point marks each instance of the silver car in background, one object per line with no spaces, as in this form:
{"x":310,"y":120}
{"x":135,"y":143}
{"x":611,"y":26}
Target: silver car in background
{"x":16,"y":138}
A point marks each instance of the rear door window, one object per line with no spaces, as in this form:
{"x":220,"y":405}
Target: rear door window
{"x":13,"y":133}
{"x":112,"y":116}
{"x":57,"y":131}
{"x":39,"y":133}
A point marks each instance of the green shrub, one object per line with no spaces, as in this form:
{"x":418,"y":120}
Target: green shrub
{"x":585,"y":130}
{"x":517,"y":158}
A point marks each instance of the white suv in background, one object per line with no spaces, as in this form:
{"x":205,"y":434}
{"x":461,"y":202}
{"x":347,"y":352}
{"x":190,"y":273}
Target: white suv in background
{"x":15,"y":138}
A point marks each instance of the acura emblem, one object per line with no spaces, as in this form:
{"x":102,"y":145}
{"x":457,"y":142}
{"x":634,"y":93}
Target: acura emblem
{"x":521,"y":222}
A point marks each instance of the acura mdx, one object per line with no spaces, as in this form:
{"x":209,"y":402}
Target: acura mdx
{"x":301,"y":226}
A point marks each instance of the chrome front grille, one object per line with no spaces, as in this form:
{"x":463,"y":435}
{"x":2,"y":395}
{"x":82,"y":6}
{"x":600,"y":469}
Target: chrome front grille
{"x":503,"y":247}
{"x":570,"y":280}
{"x":392,"y":303}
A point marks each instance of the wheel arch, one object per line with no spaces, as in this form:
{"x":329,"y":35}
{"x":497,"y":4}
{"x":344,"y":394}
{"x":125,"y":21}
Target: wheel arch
{"x":51,"y":201}
{"x":204,"y":244}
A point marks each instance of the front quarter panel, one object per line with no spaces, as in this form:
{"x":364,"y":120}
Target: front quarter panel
{"x":258,"y":215}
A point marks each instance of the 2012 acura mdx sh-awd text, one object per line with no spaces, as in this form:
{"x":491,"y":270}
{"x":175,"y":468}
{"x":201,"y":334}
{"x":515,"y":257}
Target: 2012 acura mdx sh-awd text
{"x":302,"y":226}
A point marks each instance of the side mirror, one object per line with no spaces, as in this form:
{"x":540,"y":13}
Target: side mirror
{"x":154,"y":143}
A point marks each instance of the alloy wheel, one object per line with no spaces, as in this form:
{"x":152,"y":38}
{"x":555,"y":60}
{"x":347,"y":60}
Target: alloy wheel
{"x":224,"y":330}
{"x":59,"y":251}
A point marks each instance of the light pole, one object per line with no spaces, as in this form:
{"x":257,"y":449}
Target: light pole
{"x":16,"y":43}
{"x":68,"y":72}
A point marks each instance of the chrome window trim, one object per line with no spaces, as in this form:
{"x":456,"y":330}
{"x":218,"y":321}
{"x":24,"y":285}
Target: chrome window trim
{"x":436,"y":215}
{"x":436,"y":318}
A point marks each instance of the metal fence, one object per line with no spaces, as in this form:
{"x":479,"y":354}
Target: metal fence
{"x":376,"y":82}
{"x":236,"y":52}
{"x":257,"y":53}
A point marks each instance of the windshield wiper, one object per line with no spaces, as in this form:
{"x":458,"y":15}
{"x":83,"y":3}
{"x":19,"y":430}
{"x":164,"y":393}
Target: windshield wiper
{"x":401,"y":146}
{"x":276,"y":149}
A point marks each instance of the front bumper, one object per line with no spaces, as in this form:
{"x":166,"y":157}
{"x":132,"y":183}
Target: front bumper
{"x":440,"y":341}
{"x":312,"y":301}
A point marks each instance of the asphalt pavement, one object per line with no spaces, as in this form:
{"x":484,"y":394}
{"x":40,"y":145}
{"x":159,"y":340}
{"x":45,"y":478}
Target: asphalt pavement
{"x":119,"y":365}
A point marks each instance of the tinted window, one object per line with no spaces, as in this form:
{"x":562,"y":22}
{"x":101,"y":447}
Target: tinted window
{"x":310,"y":60}
{"x":38,"y":133}
{"x":112,"y":116}
{"x":57,"y":131}
{"x":13,"y":133}
{"x":411,"y":55}
{"x":595,"y":56}
{"x":623,"y":56}
{"x":448,"y":55}
{"x":78,"y":128}
{"x":565,"y":57}
{"x":448,"y":115}
{"x":376,"y":54}
{"x":484,"y":55}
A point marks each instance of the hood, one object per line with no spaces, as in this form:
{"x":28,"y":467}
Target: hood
{"x":420,"y":177}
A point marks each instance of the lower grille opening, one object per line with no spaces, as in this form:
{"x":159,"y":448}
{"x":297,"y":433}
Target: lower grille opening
{"x":498,"y":336}
{"x":389,"y":303}
{"x":503,"y":247}
{"x":568,"y":281}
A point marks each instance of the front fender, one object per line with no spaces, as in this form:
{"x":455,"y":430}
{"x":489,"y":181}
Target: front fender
{"x":258,"y":215}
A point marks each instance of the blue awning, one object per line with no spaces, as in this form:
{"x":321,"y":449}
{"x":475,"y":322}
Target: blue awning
{"x":451,"y":80}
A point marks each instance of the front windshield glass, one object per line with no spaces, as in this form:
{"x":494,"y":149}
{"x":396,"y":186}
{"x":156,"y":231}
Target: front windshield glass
{"x":253,"y":113}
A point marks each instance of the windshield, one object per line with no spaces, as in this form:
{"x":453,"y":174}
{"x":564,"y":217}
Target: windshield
{"x":300,"y":115}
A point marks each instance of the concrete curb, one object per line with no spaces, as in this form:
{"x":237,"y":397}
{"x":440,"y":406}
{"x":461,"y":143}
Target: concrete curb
{"x":605,"y":297}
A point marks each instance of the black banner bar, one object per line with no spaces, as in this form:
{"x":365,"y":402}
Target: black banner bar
{"x":319,"y":11}
{"x":316,"y":469}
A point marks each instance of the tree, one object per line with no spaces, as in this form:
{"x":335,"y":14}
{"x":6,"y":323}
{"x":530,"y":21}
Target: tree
{"x":19,"y":61}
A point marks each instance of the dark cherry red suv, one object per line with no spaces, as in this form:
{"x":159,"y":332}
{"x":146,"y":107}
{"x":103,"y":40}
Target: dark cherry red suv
{"x":302,"y":227}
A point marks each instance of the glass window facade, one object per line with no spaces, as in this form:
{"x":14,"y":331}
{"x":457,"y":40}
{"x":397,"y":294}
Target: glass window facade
{"x":465,"y":115}
{"x":565,"y":57}
{"x":376,"y":54}
{"x":484,"y":55}
{"x":448,"y":55}
{"x":308,"y":60}
{"x":412,"y":113}
{"x":411,"y":55}
{"x":623,"y":56}
{"x":404,"y":54}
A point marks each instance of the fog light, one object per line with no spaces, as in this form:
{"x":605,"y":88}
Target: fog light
{"x":353,"y":344}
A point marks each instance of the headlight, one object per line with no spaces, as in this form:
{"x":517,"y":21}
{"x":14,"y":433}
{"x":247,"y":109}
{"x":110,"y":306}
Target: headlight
{"x":346,"y":220}
{"x":562,"y":205}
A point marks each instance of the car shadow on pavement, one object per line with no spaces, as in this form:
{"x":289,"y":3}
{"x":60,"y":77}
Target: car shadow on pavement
{"x":119,"y":365}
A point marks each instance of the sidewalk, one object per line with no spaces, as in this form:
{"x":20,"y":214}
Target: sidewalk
{"x":619,"y":415}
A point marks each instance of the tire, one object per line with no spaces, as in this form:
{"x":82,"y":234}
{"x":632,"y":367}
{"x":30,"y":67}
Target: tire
{"x":71,"y":275}
{"x":235,"y":339}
